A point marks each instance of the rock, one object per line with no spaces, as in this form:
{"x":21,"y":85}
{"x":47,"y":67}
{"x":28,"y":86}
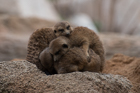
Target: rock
{"x":127,"y":66}
{"x":22,"y":76}
{"x":122,"y":44}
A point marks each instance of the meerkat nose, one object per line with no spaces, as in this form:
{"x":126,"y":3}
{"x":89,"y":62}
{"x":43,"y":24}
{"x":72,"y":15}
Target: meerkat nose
{"x":55,"y":59}
{"x":67,"y":33}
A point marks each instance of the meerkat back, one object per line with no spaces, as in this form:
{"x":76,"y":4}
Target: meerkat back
{"x":95,"y":63}
{"x":38,"y":41}
{"x":75,"y":60}
{"x":83,"y":35}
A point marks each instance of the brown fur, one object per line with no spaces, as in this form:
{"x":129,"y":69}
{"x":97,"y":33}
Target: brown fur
{"x":47,"y":60}
{"x":38,"y":41}
{"x":82,"y":37}
{"x":60,"y":29}
{"x":59,"y":46}
{"x":73,"y":59}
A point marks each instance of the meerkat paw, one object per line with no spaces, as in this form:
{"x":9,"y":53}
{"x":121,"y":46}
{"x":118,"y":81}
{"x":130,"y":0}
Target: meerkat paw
{"x":88,"y":58}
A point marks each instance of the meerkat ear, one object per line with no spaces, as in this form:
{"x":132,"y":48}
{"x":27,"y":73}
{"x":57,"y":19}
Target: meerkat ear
{"x":53,"y":29}
{"x":65,"y":46}
{"x":71,"y":28}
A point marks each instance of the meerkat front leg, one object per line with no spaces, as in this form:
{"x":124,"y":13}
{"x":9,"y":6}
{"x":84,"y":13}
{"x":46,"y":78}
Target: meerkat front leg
{"x":85,"y":47}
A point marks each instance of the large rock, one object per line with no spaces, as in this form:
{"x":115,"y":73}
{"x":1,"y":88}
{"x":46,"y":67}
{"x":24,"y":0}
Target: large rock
{"x":22,"y":76}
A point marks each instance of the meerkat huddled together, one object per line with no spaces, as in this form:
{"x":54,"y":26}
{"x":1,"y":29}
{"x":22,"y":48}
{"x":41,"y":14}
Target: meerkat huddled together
{"x":81,"y":37}
{"x":72,"y":59}
{"x":71,"y":49}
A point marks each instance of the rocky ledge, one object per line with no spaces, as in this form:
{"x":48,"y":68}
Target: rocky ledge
{"x":24,"y":77}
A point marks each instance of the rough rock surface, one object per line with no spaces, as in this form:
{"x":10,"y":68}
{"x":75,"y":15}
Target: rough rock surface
{"x":126,"y":66}
{"x":24,"y":77}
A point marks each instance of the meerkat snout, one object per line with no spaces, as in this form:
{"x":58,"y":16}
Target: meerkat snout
{"x":60,"y":52}
{"x":58,"y":47}
{"x":62,"y":29}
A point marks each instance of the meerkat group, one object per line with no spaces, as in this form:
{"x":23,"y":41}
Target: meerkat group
{"x":71,"y":49}
{"x":81,"y":37}
{"x":72,"y":59}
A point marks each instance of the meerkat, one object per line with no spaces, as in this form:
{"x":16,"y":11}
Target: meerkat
{"x":58,"y":47}
{"x":81,"y":37}
{"x":38,"y":41}
{"x":47,"y":62}
{"x":72,"y":59}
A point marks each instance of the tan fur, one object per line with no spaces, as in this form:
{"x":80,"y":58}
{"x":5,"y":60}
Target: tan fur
{"x":73,"y":59}
{"x":60,"y":29}
{"x":59,"y":46}
{"x":95,"y":63}
{"x":38,"y":41}
{"x":84,"y":38}
{"x":47,"y":60}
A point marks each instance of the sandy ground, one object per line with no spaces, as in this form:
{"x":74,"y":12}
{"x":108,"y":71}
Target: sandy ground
{"x":126,"y":66}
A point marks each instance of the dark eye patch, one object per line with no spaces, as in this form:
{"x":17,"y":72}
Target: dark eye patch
{"x":65,"y":46}
{"x":68,"y":27}
{"x":62,"y":30}
{"x":54,"y":31}
{"x":57,"y":52}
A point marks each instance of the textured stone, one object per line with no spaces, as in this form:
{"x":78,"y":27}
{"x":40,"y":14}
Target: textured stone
{"x":24,"y":77}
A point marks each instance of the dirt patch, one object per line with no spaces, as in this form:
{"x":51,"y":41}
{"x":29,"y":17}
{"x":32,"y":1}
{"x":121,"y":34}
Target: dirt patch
{"x":126,"y":66}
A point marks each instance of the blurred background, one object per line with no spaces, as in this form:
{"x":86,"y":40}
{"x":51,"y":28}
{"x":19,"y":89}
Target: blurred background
{"x":117,"y":22}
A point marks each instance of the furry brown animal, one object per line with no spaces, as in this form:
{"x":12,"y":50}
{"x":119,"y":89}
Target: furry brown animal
{"x":59,"y":46}
{"x":81,"y":37}
{"x":72,"y":59}
{"x":62,"y":29}
{"x":46,"y":60}
{"x":38,"y":41}
{"x":75,"y":60}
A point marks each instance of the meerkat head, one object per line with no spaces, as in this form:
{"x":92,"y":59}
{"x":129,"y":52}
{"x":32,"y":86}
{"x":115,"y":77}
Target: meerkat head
{"x":62,"y":29}
{"x":58,"y":47}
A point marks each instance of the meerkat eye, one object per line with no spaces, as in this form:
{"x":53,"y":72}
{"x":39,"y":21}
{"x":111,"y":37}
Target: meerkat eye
{"x":68,"y":27}
{"x":65,"y":46}
{"x":57,"y":52}
{"x":54,"y":31}
{"x":62,"y":30}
